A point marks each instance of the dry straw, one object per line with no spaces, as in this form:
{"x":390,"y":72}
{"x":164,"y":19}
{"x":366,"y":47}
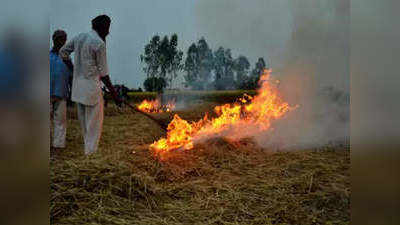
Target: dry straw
{"x":217,"y":182}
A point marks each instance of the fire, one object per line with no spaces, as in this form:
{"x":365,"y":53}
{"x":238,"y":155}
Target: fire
{"x":170,"y":106}
{"x":245,"y":118}
{"x":154,"y":106}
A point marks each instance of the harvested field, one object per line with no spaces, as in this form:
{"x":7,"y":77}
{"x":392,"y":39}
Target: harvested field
{"x":217,"y":182}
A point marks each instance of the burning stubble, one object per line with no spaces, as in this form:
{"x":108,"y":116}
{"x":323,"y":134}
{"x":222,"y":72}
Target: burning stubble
{"x":155,"y":106}
{"x":247,"y":118}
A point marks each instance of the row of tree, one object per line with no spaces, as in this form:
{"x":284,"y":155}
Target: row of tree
{"x":203,"y":68}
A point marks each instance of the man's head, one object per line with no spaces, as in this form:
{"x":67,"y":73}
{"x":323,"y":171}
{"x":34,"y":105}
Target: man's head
{"x":101,"y":25}
{"x":59,"y":39}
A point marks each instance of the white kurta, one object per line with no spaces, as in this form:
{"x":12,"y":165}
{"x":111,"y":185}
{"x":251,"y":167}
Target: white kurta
{"x":90,"y":64}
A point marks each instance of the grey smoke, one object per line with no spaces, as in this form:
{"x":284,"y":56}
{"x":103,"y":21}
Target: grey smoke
{"x":307,"y":45}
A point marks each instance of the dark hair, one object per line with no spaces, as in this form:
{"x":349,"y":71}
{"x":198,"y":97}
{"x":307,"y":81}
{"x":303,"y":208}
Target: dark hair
{"x":100,"y":22}
{"x":59,"y":33}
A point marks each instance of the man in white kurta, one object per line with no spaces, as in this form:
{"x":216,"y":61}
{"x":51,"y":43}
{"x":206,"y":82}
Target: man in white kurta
{"x":90,"y":68}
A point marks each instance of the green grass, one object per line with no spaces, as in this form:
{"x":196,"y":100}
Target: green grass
{"x":215,"y":183}
{"x":140,"y":96}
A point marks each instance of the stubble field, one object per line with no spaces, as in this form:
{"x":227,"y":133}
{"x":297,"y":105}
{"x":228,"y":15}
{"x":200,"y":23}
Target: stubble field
{"x":217,"y":182}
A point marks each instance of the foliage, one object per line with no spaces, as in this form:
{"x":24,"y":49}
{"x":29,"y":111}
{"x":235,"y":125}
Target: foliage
{"x":256,"y":73}
{"x":162,"y":58}
{"x":241,"y":66}
{"x":192,"y":65}
{"x":224,"y":67}
{"x":151,"y":57}
{"x":243,"y":80}
{"x":198,"y":65}
{"x":203,"y":67}
{"x":154,"y":84}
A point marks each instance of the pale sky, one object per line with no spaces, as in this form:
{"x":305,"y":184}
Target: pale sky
{"x":256,"y":28}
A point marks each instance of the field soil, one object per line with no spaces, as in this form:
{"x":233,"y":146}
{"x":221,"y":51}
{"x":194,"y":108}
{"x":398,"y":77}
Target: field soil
{"x":217,"y":182}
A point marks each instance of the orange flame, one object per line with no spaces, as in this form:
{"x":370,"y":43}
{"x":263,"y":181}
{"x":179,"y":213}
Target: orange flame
{"x":247,"y":117}
{"x":154,"y":106}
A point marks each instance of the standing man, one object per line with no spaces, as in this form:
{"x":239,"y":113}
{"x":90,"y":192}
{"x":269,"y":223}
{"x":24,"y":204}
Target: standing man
{"x":90,"y":68}
{"x":60,"y":77}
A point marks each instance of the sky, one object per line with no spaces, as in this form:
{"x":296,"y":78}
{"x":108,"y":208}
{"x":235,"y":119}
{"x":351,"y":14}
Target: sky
{"x":258,"y":28}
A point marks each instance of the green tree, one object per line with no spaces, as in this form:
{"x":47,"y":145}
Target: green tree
{"x":223,"y":68}
{"x":241,"y":66}
{"x":170,"y":58}
{"x":229,"y":78}
{"x":151,"y":57}
{"x":219,"y":60}
{"x":198,"y":65}
{"x":175,"y":58}
{"x":191,"y":66}
{"x":206,"y":61}
{"x":259,"y":68}
{"x":162,"y":58}
{"x":156,"y":84}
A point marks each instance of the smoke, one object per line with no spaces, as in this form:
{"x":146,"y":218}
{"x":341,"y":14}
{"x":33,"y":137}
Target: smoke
{"x":307,"y":45}
{"x":256,"y":28}
{"x":315,"y":75}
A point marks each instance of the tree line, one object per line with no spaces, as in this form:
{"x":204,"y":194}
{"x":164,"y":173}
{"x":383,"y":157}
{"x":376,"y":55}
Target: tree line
{"x":203,"y":68}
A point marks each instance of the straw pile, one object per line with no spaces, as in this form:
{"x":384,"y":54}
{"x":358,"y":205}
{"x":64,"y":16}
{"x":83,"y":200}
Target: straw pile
{"x":215,"y":183}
